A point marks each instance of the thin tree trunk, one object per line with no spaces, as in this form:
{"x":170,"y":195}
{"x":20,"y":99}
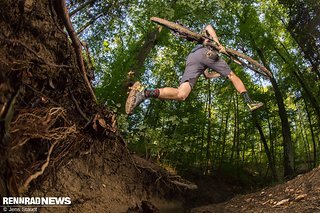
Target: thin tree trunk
{"x":218,"y":145}
{"x":244,"y":144}
{"x":304,"y":138}
{"x":238,"y":131}
{"x":253,"y":156}
{"x":313,"y":63}
{"x":89,"y":23}
{"x":312,"y":135}
{"x":201,"y":148}
{"x":286,"y":134}
{"x":271,"y":139}
{"x":208,"y":155}
{"x":82,"y":6}
{"x":233,"y":148}
{"x":224,"y":140}
{"x":203,"y":160}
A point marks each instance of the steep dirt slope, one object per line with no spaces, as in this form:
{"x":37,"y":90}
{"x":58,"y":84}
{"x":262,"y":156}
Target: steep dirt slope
{"x":105,"y":179}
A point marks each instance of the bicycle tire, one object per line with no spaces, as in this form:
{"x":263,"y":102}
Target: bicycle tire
{"x":183,"y":31}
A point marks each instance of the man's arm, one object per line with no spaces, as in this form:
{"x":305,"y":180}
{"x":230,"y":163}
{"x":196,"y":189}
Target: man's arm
{"x":215,"y":38}
{"x":209,"y":75}
{"x":213,"y":34}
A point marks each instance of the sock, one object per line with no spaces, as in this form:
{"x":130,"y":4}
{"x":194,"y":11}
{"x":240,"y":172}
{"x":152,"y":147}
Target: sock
{"x":246,"y":97}
{"x":152,"y":93}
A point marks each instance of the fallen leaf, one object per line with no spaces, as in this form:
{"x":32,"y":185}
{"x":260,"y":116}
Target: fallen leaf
{"x":51,"y":84}
{"x":281,"y":202}
{"x":102,"y":123}
{"x":300,"y":197}
{"x":94,"y":125}
{"x":248,"y":200}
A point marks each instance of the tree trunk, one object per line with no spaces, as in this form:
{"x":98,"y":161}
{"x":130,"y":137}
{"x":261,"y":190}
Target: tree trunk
{"x":82,"y":6}
{"x":209,"y":140}
{"x":272,"y":147}
{"x":266,"y":148}
{"x":286,"y":133}
{"x":218,"y":144}
{"x":312,"y":135}
{"x":303,"y":23}
{"x":224,"y":138}
{"x":202,"y":163}
{"x":235,"y":130}
{"x":288,"y":153}
{"x":297,"y":73}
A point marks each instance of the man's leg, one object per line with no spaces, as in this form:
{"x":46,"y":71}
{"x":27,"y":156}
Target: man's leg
{"x":179,"y":94}
{"x":238,"y":84}
{"x":138,"y":94}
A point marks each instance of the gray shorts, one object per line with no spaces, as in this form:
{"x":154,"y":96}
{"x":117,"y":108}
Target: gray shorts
{"x":198,"y":61}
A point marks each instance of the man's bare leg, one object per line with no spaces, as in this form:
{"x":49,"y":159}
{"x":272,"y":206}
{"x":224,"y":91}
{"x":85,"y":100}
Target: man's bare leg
{"x":238,"y":84}
{"x":180,"y":93}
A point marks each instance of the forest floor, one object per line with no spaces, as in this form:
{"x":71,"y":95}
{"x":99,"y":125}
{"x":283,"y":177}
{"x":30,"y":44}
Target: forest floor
{"x":110,"y":180}
{"x":300,"y":194}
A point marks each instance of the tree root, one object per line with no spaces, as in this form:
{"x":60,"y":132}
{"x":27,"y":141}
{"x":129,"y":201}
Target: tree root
{"x":63,"y":13}
{"x":25,"y":185}
{"x":78,"y":107}
{"x":184,"y":185}
{"x":166,"y":178}
{"x":45,"y":126}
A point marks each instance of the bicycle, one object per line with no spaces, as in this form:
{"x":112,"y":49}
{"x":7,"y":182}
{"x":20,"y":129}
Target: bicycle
{"x":236,"y":56}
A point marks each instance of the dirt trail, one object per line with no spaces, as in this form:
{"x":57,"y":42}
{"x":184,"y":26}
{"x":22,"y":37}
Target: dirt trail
{"x":300,"y":194}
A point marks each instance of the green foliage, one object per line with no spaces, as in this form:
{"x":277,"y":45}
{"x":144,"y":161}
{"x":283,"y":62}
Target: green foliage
{"x":178,"y":132}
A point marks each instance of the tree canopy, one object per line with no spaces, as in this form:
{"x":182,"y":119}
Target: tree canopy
{"x":212,"y":130}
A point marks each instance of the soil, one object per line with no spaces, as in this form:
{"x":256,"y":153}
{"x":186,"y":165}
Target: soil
{"x":57,"y":141}
{"x":96,"y":183}
{"x":300,"y":194}
{"x":106,"y":178}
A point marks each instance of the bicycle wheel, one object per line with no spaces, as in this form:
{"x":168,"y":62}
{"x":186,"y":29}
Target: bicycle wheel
{"x":177,"y":28}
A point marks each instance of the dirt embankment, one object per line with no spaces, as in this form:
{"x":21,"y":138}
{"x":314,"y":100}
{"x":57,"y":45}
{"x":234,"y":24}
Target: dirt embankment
{"x":106,"y":178}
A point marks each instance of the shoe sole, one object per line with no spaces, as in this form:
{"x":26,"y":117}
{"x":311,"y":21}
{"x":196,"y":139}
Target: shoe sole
{"x":256,"y":108}
{"x":132,"y":97}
